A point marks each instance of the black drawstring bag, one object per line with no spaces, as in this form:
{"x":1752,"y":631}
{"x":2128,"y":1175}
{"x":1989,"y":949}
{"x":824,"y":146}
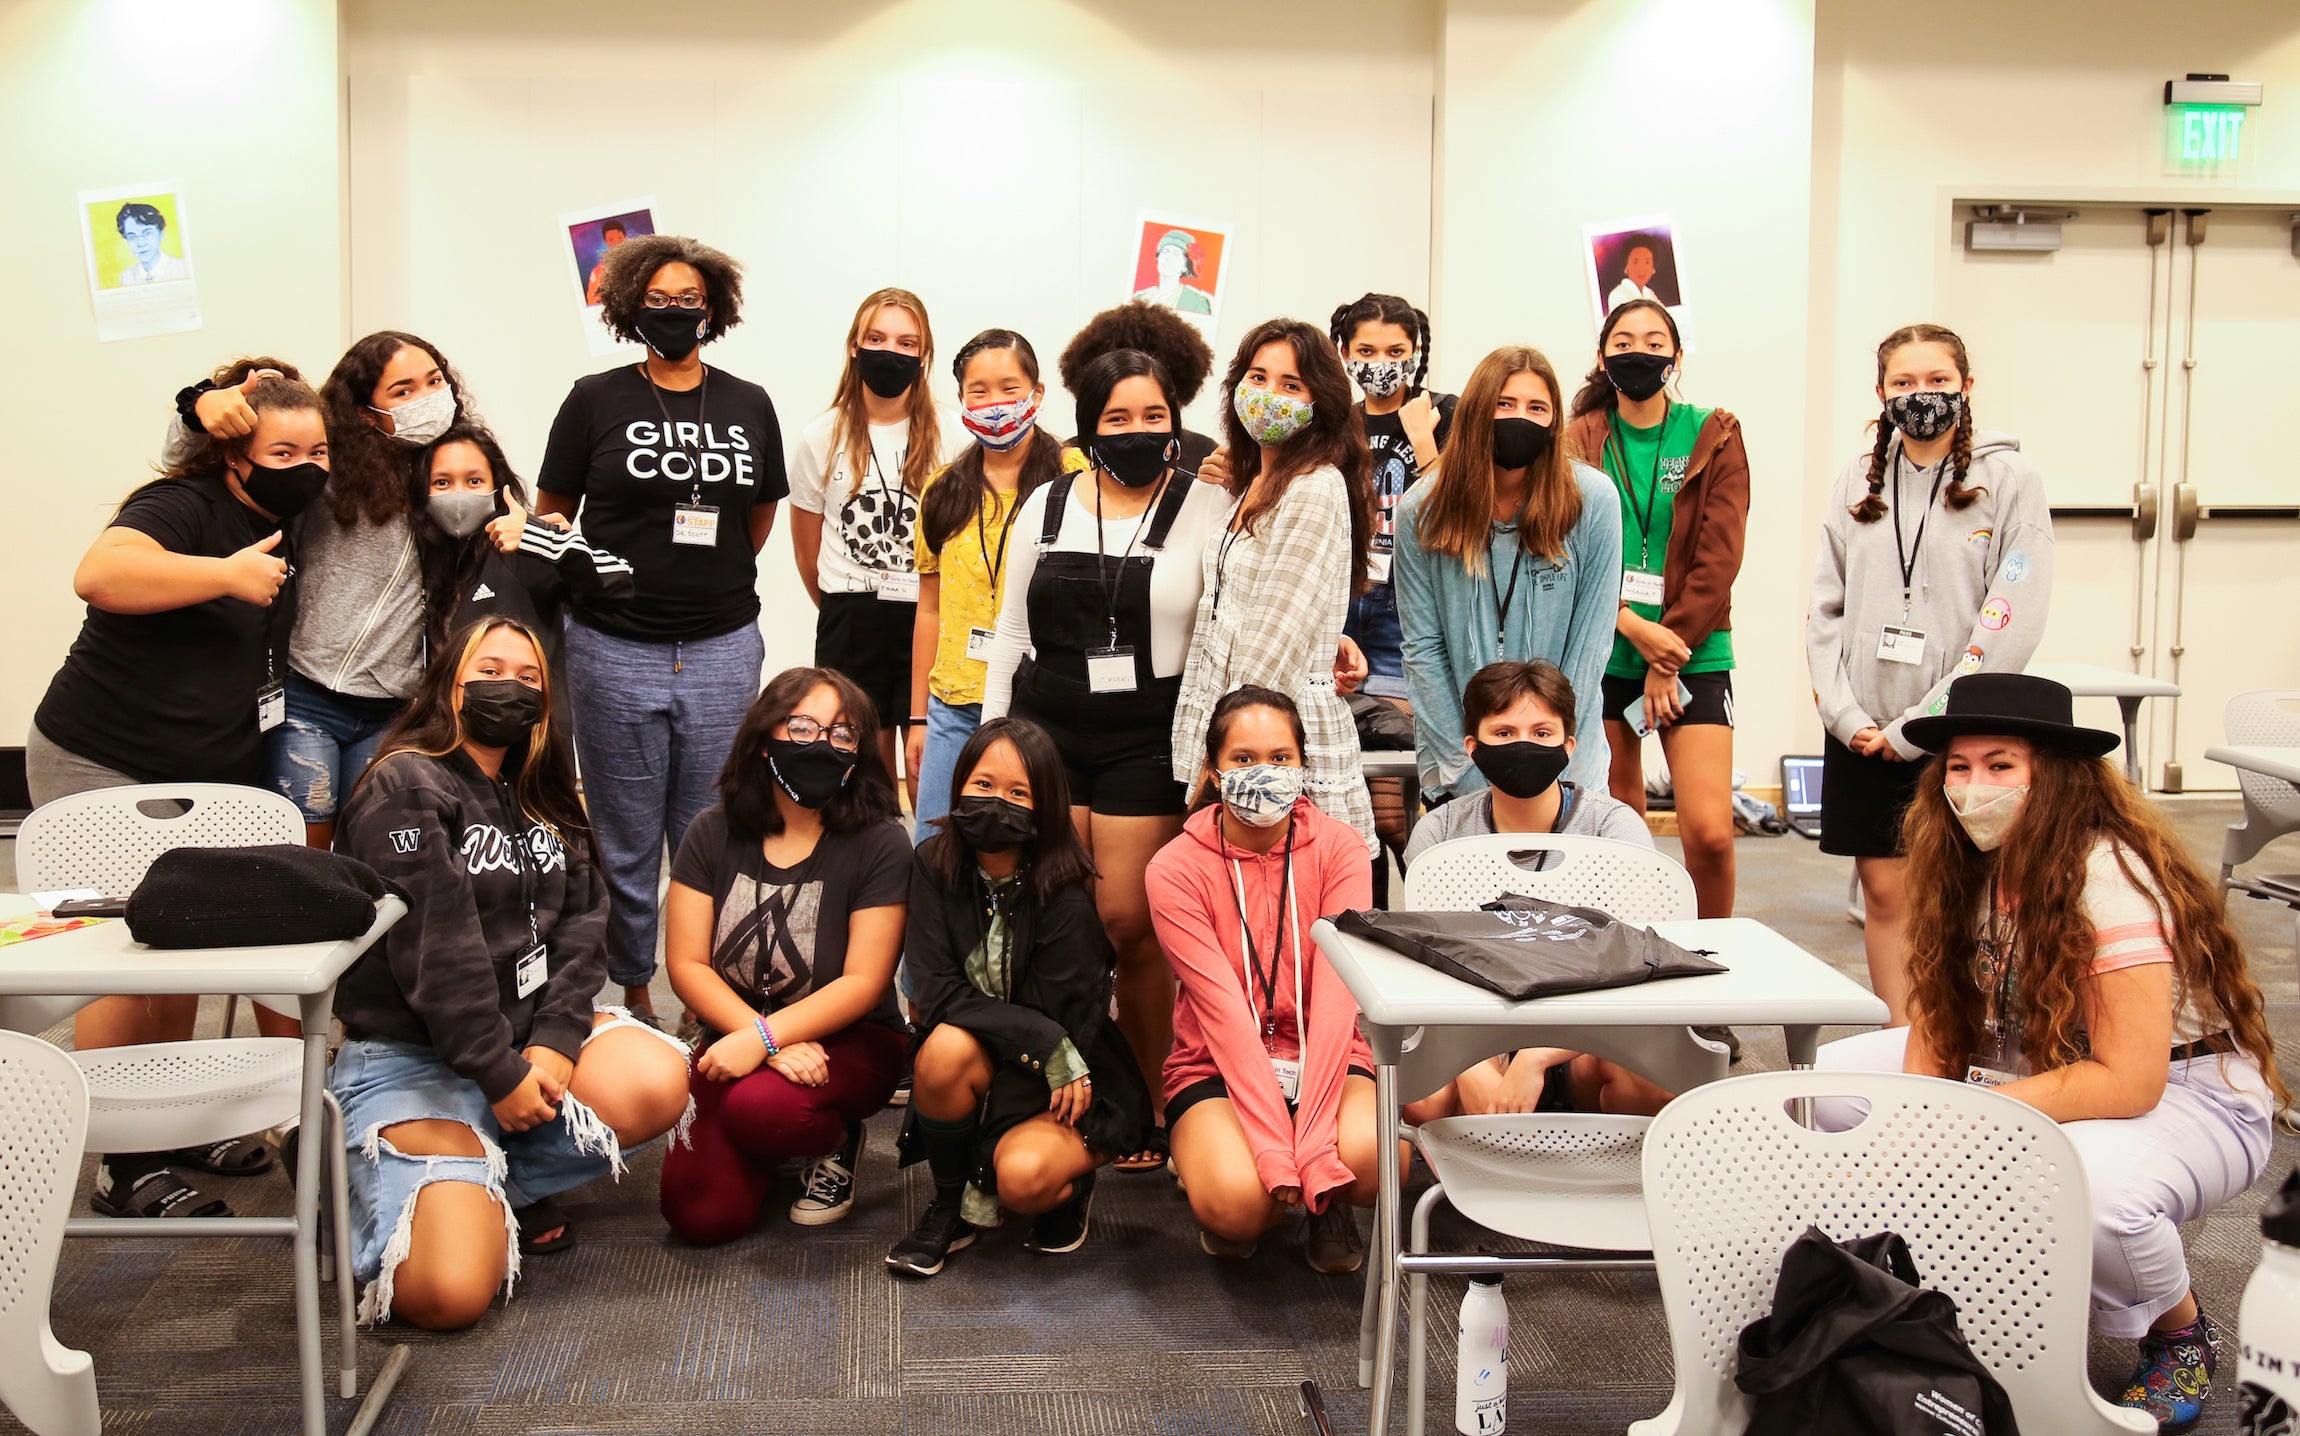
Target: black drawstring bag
{"x":252,"y":897}
{"x":1855,"y":1345}
{"x":1525,"y":948}
{"x":1383,"y":727}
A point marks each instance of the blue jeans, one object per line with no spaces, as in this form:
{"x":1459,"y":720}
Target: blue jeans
{"x":948,"y":726}
{"x":654,"y":723}
{"x":1373,"y":624}
{"x":327,"y":740}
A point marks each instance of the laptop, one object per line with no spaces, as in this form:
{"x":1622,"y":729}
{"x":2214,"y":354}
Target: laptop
{"x":1801,"y":796}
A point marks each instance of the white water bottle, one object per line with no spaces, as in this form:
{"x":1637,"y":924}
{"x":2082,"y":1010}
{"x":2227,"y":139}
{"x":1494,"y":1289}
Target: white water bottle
{"x":2268,"y":1324}
{"x":1481,"y":1360}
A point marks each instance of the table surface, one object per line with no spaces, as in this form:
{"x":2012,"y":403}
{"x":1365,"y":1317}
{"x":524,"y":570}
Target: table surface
{"x":2096,"y":680}
{"x":1769,"y":982}
{"x":2275,"y":762}
{"x":103,"y":958}
{"x":1388,"y":762}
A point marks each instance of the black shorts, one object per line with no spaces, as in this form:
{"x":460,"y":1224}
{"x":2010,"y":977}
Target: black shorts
{"x":868,"y":639}
{"x":1862,"y":800}
{"x":1206,"y":1089}
{"x":1712,"y":697}
{"x":1123,"y":769}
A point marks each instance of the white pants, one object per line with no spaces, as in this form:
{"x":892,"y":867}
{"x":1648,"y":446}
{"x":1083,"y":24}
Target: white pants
{"x":2205,"y":1140}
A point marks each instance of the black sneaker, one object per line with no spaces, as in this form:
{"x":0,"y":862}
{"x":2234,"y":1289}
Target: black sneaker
{"x":1330,"y":1240}
{"x":830,"y":1184}
{"x":940,"y":1231}
{"x":1064,"y":1229}
{"x":901,"y":1097}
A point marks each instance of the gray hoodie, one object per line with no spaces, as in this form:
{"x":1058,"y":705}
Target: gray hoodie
{"x":1979,"y":591}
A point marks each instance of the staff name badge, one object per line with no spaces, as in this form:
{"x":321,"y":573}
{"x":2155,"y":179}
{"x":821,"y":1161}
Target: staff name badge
{"x":271,"y":707}
{"x":1638,"y":586}
{"x":1377,"y":565}
{"x":1900,"y":645}
{"x":896,"y":587}
{"x":1289,"y":1075}
{"x":978,"y":643}
{"x":695,"y":524}
{"x":1110,"y":670}
{"x":534,"y":966}
{"x":1980,"y":1076}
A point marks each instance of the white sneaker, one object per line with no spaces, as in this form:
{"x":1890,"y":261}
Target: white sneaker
{"x":830,"y":1184}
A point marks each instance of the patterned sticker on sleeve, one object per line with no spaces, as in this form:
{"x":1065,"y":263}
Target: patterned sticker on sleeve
{"x":1995,"y":614}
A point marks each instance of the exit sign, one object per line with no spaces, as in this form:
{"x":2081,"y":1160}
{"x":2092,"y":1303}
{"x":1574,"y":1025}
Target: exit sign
{"x":2204,"y":139}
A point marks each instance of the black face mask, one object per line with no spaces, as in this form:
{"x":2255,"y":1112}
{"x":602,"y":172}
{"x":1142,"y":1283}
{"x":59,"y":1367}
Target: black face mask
{"x":812,"y":773}
{"x":888,"y":373}
{"x":283,"y":493}
{"x":1522,"y":769}
{"x":1136,"y":459}
{"x":498,"y":712}
{"x":1639,"y":375}
{"x":992,"y":825}
{"x":1925,"y":415}
{"x":672,"y":333}
{"x":1520,"y":443}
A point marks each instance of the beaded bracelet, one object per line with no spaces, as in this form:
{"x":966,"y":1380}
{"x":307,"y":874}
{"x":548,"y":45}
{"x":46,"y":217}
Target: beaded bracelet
{"x":766,"y":1036}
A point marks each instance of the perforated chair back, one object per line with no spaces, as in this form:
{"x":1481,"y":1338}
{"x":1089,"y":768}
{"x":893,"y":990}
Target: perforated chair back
{"x":43,"y":1129}
{"x":106,"y":838}
{"x":1628,"y":882}
{"x":2271,"y":805}
{"x":1987,"y":1191}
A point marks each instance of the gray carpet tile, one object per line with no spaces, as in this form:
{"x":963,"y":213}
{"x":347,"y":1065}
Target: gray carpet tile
{"x":796,"y":1330}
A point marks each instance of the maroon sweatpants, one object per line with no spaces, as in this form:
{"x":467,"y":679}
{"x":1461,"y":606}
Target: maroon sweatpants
{"x":714,"y":1181}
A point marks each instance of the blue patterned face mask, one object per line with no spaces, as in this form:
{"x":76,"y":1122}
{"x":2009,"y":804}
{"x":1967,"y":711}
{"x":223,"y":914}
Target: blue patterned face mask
{"x":1260,"y":795}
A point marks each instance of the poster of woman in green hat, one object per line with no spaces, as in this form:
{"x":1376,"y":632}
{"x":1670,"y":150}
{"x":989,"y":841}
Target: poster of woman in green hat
{"x":1178,"y":264}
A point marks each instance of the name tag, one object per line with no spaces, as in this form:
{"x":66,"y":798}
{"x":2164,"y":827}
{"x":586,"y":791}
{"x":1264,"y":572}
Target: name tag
{"x":534,"y":966}
{"x":271,"y":707}
{"x":1900,"y":645}
{"x":1289,"y":1075}
{"x":897,"y":587}
{"x":1981,"y":1076}
{"x":1377,"y":564}
{"x":1110,"y":670}
{"x":696,"y":524}
{"x":1640,"y":587}
{"x":978,"y":643}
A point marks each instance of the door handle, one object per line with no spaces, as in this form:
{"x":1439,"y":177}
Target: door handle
{"x":2143,"y":512}
{"x":2183,"y":512}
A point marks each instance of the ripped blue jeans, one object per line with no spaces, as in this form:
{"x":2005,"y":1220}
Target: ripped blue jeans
{"x":325,"y":743}
{"x":382,"y":1084}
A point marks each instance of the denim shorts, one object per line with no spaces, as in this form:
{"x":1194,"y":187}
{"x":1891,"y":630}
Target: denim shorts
{"x":324,"y":745}
{"x":382,"y":1083}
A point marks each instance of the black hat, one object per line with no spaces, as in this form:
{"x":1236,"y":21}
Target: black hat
{"x":2016,"y":705}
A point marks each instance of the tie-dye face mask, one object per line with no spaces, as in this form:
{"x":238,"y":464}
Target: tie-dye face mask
{"x":1270,"y":418}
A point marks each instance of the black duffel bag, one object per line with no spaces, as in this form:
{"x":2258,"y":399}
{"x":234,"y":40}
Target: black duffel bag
{"x":252,"y":897}
{"x":1854,"y":1345}
{"x":1525,"y":948}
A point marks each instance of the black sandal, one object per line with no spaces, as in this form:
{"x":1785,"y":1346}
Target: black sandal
{"x":156,"y":1194}
{"x":536,"y":1220}
{"x":232,"y":1157}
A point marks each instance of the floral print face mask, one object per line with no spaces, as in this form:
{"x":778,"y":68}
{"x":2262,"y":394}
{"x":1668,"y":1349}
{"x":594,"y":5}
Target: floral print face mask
{"x":1270,"y":418}
{"x":1260,"y":795}
{"x":1927,"y":414}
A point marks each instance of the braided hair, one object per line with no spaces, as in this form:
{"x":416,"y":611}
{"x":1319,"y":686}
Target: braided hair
{"x":1385,"y":309}
{"x":1958,"y":495}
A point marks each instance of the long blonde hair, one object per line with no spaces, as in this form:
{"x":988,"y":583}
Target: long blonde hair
{"x":922,"y":453}
{"x":1457,"y":517}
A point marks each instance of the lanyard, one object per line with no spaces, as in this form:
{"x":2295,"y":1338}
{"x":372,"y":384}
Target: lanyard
{"x":1501,"y":601}
{"x":996,"y":567}
{"x":1652,"y":486}
{"x":1102,"y":580}
{"x":702,"y":393}
{"x":1908,"y":557}
{"x":1266,"y":1020}
{"x":518,"y":836}
{"x":998,"y":965}
{"x":765,"y":967}
{"x":2006,"y":1021}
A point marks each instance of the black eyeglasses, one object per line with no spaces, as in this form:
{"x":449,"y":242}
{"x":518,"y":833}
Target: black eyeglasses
{"x":655,"y":299}
{"x":801,"y":729}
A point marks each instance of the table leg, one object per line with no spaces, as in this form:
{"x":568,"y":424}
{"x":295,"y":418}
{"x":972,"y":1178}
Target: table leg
{"x":317,"y":1131}
{"x":1804,"y":1043}
{"x":1386,"y":1199}
{"x":2130,"y":707}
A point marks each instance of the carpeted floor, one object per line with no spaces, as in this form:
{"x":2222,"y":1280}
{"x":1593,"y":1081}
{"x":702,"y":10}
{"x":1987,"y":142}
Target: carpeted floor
{"x":792,"y":1330}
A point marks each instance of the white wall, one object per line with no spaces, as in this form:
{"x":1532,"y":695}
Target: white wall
{"x":990,"y":156}
{"x":234,"y":101}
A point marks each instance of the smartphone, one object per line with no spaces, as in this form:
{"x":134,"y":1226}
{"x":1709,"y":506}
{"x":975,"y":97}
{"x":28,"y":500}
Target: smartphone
{"x":1634,"y":714}
{"x":92,"y":907}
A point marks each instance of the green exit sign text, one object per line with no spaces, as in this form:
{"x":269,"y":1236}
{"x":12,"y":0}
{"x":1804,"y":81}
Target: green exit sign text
{"x":2204,"y":138}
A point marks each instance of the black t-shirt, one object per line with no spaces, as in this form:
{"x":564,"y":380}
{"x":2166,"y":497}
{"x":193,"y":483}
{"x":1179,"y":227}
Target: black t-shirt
{"x":171,"y":697}
{"x":1396,"y":464}
{"x":778,"y":934}
{"x":725,"y":451}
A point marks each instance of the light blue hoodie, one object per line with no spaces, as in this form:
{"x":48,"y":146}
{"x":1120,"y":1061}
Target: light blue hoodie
{"x":1561,"y":612}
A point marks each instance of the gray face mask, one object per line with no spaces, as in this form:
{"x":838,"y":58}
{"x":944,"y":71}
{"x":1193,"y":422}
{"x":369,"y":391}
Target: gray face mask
{"x":460,"y":513}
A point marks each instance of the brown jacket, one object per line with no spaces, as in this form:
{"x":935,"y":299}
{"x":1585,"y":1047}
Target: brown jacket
{"x":1705,"y":533}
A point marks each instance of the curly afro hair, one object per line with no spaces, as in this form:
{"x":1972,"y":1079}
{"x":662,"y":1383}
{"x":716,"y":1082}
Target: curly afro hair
{"x":624,"y":273}
{"x":1155,"y":330}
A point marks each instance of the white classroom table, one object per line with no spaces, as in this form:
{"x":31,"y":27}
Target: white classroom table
{"x":1425,"y":1028}
{"x":103,"y":959}
{"x":1388,"y":763}
{"x":2094,"y":680}
{"x":2281,"y":763}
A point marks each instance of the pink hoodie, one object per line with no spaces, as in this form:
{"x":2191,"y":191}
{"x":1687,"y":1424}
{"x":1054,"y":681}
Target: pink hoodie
{"x":1194,"y":906}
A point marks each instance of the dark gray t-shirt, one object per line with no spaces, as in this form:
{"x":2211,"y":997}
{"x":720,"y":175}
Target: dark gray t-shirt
{"x":1590,"y":815}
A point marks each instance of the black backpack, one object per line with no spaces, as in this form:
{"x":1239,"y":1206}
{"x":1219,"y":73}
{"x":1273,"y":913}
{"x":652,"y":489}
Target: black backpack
{"x":1855,"y":1346}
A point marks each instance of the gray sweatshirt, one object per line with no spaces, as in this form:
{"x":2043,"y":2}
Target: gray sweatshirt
{"x":1978,"y":592}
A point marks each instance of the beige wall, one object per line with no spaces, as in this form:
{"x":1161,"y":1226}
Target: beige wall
{"x":233,"y":101}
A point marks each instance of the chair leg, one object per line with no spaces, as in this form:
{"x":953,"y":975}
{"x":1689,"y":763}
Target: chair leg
{"x":1369,"y":1315}
{"x":231,"y":1013}
{"x":1417,"y":1297}
{"x":53,"y":1390}
{"x":339,"y":1225}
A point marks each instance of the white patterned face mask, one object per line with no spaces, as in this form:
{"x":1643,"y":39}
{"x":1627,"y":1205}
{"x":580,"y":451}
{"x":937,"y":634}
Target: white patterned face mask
{"x":1260,"y":795}
{"x":1379,"y":378}
{"x":1270,"y":418}
{"x":423,"y":418}
{"x":1985,"y":811}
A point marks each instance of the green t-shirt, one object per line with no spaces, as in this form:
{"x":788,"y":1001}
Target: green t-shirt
{"x":1648,"y":468}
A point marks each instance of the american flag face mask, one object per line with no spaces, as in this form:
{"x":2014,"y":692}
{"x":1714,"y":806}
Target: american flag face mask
{"x":1003,"y":425}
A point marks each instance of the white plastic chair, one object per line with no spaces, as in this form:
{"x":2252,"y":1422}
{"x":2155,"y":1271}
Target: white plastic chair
{"x":1987,"y":1191}
{"x":2271,"y":805}
{"x":49,"y":1387}
{"x":1564,"y":1178}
